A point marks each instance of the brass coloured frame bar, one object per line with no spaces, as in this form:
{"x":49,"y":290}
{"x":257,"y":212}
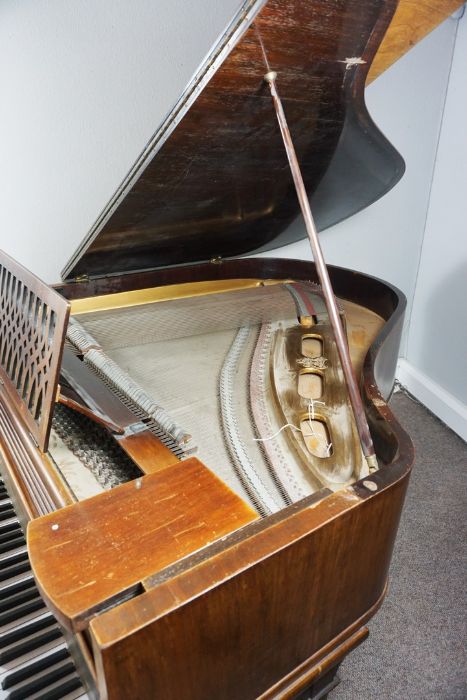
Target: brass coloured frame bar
{"x":321,"y":269}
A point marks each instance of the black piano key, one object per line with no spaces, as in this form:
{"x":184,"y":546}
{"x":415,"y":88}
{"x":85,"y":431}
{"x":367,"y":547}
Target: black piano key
{"x":60,"y":691}
{"x":7,"y":561}
{"x":15,"y":527}
{"x":42,"y":682}
{"x":17,"y":598}
{"x":26,"y":630}
{"x":14,"y":532}
{"x":13,"y":543}
{"x":21,"y":611}
{"x":10,"y":527}
{"x":25,"y":672}
{"x":6,"y":506}
{"x":9,"y":590}
{"x":14,"y":565}
{"x":52,"y":676}
{"x":9,"y":512}
{"x":28,"y":645}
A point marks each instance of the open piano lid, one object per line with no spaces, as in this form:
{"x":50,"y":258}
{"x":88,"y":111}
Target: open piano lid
{"x":214,"y":179}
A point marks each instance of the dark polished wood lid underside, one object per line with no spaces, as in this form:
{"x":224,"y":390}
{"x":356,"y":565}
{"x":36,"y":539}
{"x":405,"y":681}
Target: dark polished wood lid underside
{"x":219,"y":184}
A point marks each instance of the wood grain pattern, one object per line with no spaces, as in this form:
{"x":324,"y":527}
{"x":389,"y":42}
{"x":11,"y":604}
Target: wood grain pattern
{"x":304,"y":676}
{"x":33,"y":321}
{"x":37,"y":486}
{"x":112,"y":541}
{"x":184,"y":612}
{"x":304,"y":582}
{"x":147,"y":451}
{"x":219,"y":183}
{"x":270,"y":607}
{"x":413,"y":20}
{"x":257,"y":609}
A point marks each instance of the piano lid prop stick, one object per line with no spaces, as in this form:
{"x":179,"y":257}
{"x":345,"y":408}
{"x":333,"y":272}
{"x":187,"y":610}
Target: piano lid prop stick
{"x":331,"y":304}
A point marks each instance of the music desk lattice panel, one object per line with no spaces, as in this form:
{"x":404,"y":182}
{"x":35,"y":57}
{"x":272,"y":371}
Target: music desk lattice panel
{"x":33,"y":321}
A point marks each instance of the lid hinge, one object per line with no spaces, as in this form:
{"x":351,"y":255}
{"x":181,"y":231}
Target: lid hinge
{"x":80,"y":278}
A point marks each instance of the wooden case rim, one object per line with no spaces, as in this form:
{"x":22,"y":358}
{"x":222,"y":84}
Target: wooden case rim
{"x":379,"y":412}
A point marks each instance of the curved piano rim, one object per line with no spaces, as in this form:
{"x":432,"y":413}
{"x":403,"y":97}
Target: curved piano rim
{"x":379,"y":296}
{"x":371,"y":508}
{"x":367,"y":512}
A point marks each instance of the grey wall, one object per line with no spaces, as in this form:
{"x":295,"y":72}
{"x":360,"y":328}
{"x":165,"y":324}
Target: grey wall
{"x":436,"y":359}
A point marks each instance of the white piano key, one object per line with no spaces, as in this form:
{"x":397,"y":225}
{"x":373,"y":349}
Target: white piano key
{"x":35,"y":663}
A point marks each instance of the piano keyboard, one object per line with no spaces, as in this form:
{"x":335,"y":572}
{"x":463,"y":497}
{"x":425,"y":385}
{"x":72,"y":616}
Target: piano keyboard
{"x":35,"y":663}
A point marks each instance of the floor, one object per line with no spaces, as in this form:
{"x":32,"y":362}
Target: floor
{"x":417,"y":644}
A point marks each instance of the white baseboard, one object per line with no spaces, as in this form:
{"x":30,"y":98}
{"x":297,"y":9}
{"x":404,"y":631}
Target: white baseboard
{"x":443,"y":404}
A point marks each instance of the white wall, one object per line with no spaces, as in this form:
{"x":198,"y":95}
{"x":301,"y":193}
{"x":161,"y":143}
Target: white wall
{"x":435,"y":369}
{"x":83,"y":85}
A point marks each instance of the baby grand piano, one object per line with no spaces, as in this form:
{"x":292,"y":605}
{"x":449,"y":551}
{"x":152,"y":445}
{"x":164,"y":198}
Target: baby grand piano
{"x":177,"y":437}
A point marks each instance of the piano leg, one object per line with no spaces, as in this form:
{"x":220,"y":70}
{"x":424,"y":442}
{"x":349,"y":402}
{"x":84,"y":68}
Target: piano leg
{"x":321,"y":687}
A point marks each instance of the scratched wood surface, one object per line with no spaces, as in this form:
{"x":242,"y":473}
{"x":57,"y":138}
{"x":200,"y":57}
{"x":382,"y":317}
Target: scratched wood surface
{"x":413,"y":20}
{"x":239,"y":622}
{"x":112,"y":541}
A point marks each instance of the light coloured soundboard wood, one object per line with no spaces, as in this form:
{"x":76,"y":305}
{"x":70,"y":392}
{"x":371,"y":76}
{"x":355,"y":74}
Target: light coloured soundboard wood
{"x":413,"y":20}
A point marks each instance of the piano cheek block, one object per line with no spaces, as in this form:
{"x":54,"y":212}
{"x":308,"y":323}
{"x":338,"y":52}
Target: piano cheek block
{"x":116,"y":540}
